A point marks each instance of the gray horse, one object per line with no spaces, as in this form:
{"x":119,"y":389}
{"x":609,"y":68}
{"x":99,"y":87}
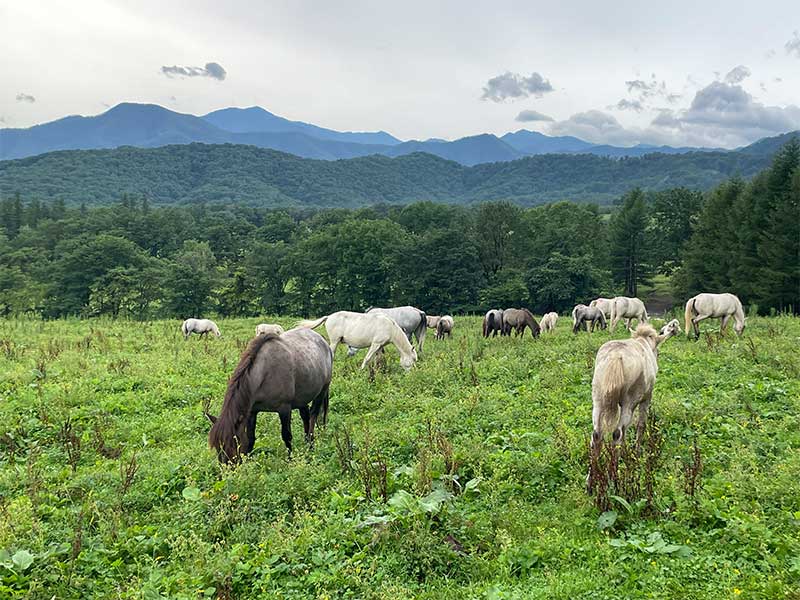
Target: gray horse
{"x":583,"y":315}
{"x":518,"y":319}
{"x":276,"y":373}
{"x":493,"y":323}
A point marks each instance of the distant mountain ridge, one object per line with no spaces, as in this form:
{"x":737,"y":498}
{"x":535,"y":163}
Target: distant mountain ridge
{"x":226,"y":173}
{"x":151,"y":126}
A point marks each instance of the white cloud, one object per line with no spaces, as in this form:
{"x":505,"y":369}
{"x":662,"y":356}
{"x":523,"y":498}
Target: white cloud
{"x":514,"y":86}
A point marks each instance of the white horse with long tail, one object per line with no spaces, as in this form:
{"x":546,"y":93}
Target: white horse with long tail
{"x":360,"y":330}
{"x":714,"y":306}
{"x":628,"y":309}
{"x":200,"y":326}
{"x":624,"y":376}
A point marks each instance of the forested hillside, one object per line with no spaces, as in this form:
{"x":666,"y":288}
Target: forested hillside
{"x":196,"y":173}
{"x":142,"y":261}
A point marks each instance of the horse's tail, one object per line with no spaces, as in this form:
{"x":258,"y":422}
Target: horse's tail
{"x":611,"y":384}
{"x":613,"y":310}
{"x":319,"y":407}
{"x":603,"y":323}
{"x":184,"y":327}
{"x":644,"y":311}
{"x":312,"y":324}
{"x":488,"y":324}
{"x":422,"y":329}
{"x":688,"y":313}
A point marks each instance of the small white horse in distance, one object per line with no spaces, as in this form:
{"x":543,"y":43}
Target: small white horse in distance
{"x":200,"y":326}
{"x":628,"y":309}
{"x":604,"y":304}
{"x":548,"y":322}
{"x":432,"y":321}
{"x":365,"y":330}
{"x":714,"y":306}
{"x":624,"y":376}
{"x":268,"y":328}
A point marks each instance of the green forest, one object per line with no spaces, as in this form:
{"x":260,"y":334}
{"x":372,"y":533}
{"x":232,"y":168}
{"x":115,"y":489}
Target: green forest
{"x":233,"y":174}
{"x":139,"y":260}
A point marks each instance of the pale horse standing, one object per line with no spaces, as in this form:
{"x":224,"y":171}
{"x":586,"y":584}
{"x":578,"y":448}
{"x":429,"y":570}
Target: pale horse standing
{"x":604,"y":304}
{"x":201,"y":327}
{"x":548,"y":322}
{"x":365,"y":330}
{"x":714,"y":306}
{"x":624,"y":376}
{"x":628,"y":309}
{"x":268,"y":328}
{"x":432,"y":321}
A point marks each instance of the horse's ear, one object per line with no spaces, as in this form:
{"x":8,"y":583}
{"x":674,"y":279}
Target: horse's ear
{"x":210,"y":417}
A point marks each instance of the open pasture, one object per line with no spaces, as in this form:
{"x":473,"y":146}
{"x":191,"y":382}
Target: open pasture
{"x":461,"y":478}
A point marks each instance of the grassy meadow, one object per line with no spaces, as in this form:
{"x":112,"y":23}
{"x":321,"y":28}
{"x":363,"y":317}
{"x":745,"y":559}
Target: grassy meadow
{"x":464,"y":478}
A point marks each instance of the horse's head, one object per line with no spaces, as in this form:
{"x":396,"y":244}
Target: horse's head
{"x":739,"y":327}
{"x":667,"y":331}
{"x":408,"y":360}
{"x":230,"y":440}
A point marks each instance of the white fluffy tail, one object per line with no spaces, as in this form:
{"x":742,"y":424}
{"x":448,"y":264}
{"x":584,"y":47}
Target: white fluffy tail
{"x":611,"y":384}
{"x":312,"y":324}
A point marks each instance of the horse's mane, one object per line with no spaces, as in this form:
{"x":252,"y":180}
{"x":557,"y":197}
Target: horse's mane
{"x":645,"y":330}
{"x":236,"y":405}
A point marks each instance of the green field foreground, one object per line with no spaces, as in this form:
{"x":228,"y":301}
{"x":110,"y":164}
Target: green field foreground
{"x":463,"y":478}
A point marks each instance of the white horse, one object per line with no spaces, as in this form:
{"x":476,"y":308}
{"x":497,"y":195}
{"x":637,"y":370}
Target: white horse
{"x":628,"y":309}
{"x":267,"y":328}
{"x":548,"y":322}
{"x":410,"y":319}
{"x":432,"y":321}
{"x":370,"y":330}
{"x":199,"y":326}
{"x":624,"y":376}
{"x":604,"y":304}
{"x":714,"y":306}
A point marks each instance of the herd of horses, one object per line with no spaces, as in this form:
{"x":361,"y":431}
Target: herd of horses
{"x":285,"y":370}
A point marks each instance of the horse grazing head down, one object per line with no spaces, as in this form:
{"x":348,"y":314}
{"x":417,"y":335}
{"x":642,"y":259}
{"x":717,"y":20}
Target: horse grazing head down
{"x":233,"y":432}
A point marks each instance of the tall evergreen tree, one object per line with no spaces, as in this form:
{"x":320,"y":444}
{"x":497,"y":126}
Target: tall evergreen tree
{"x":628,"y":243}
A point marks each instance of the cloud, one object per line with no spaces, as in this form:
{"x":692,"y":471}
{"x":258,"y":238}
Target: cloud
{"x":726,"y":114}
{"x":527,"y":116}
{"x":770,"y":54}
{"x":595,"y":126}
{"x":647,"y":90}
{"x":514,"y":86}
{"x":737,"y":74}
{"x":625,"y":104}
{"x":212,"y":69}
{"x":21,"y":97}
{"x":793,"y":45}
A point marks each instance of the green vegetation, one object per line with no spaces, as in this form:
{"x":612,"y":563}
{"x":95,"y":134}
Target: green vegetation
{"x":461,"y":479}
{"x":195,"y":173}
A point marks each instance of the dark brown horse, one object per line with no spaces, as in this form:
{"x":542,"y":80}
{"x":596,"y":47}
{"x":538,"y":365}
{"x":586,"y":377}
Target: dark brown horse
{"x":276,"y":373}
{"x":518,"y":319}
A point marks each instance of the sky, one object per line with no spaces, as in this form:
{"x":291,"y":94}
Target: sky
{"x":717,"y":74}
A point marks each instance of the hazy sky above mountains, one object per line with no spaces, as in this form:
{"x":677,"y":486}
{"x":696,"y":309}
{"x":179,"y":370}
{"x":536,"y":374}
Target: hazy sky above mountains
{"x":680,"y":73}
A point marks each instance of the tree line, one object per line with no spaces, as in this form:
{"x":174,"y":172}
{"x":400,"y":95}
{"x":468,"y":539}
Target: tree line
{"x":135,"y":260}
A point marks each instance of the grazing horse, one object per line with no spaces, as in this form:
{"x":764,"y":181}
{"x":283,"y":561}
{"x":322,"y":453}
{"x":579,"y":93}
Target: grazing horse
{"x":604,"y":304}
{"x":265,"y":328}
{"x":628,"y":309}
{"x":582,"y":315}
{"x":432,"y":321}
{"x":444,"y":327}
{"x":518,"y":319}
{"x":410,"y":319}
{"x":624,"y":375}
{"x":276,"y":373}
{"x":548,"y":322}
{"x":714,"y":306}
{"x":493,"y":323}
{"x":200,"y":326}
{"x":365,"y":330}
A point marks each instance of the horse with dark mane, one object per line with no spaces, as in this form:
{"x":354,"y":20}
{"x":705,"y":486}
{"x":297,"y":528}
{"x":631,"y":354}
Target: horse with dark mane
{"x":276,"y":373}
{"x":518,"y":319}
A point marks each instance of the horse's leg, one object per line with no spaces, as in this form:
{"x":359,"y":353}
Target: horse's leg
{"x":251,"y":429}
{"x":335,"y":344}
{"x":723,"y":327}
{"x":628,"y":323}
{"x":370,"y":353}
{"x":305,"y":414}
{"x":696,"y":323}
{"x":644,"y":406}
{"x":625,"y":418}
{"x":286,"y":430}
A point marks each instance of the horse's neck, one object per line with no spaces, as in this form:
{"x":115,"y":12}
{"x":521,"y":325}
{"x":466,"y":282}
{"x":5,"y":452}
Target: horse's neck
{"x":400,"y":340}
{"x":738,"y":314}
